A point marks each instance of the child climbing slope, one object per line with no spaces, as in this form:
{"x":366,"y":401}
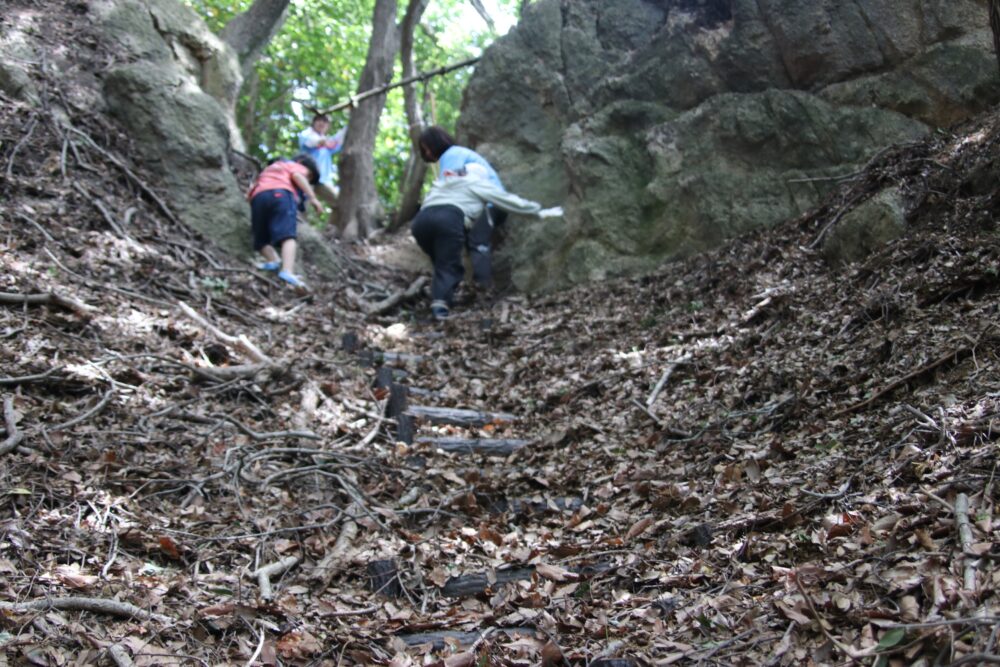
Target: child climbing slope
{"x":279,"y":191}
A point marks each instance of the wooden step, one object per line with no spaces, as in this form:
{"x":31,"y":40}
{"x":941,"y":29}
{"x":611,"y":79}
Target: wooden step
{"x":484,"y":446}
{"x":469,"y":585}
{"x":458,"y":417}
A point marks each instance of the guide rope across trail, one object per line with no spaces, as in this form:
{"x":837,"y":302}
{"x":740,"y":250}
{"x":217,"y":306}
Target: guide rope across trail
{"x":354,"y":99}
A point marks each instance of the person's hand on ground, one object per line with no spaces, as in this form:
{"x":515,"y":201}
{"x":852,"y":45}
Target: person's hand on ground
{"x":554,"y":212}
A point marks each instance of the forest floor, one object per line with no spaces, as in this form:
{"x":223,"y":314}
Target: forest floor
{"x":747,"y":458}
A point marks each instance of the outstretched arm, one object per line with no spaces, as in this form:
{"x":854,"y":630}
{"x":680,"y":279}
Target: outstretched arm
{"x":508,"y":201}
{"x":302,"y":183}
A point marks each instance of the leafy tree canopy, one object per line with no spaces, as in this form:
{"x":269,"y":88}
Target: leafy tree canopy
{"x":316,"y":59}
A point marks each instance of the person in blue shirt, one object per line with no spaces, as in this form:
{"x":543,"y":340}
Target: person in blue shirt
{"x":436,"y":145}
{"x":321,"y":147}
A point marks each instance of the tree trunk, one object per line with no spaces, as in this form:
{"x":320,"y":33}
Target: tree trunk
{"x":416,"y":168}
{"x":995,"y":24}
{"x":358,"y":197}
{"x":248,"y":33}
{"x":250,"y":111}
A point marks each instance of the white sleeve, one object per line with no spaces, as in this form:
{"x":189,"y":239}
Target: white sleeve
{"x":488,"y":191}
{"x":310,"y":138}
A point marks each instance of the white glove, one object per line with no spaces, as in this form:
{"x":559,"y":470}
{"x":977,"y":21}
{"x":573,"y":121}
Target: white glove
{"x":554,"y":212}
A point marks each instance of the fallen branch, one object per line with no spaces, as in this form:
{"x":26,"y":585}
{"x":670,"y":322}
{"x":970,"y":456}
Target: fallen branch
{"x":86,"y":415}
{"x":240,"y":342}
{"x":253,"y":435}
{"x":392,"y":300}
{"x":105,"y":213}
{"x":663,"y":380}
{"x":14,"y":436}
{"x":25,"y":379}
{"x":46,"y":299}
{"x":265,"y":573}
{"x":977,"y":659}
{"x":965,"y":539}
{"x":333,"y":562}
{"x":956,"y":355}
{"x":120,"y":656}
{"x":146,"y":190}
{"x":94,"y":605}
{"x":227,"y":373}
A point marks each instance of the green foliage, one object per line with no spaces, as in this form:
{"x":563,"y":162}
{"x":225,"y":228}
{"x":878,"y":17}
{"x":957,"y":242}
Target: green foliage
{"x":315,"y":62}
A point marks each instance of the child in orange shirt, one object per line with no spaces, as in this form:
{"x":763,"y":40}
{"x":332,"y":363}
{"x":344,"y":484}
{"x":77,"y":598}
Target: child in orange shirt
{"x":279,"y":191}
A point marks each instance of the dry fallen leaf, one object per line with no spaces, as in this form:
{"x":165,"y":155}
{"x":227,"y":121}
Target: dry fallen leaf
{"x":639,"y":527}
{"x":555,"y":573}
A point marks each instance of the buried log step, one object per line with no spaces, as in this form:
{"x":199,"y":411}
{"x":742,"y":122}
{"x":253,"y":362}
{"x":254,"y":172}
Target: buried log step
{"x":485,"y":446}
{"x":470,"y":585}
{"x":458,"y":417}
{"x":444,"y":638}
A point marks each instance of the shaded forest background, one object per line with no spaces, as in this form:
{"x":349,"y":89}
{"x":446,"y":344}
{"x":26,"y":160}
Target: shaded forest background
{"x":752,"y":456}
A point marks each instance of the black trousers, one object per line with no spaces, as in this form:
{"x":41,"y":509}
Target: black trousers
{"x":479,"y":241}
{"x":440,"y":232}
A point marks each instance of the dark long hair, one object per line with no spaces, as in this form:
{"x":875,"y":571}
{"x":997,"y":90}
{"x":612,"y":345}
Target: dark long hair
{"x":435,"y":141}
{"x":309,"y":164}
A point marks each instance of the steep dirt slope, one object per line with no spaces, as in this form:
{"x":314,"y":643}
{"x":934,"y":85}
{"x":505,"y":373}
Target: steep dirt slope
{"x":746,"y":458}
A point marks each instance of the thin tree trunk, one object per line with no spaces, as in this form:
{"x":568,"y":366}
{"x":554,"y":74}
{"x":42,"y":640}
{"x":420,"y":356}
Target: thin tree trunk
{"x":248,"y":33}
{"x":416,"y":168}
{"x":250,"y":111}
{"x":995,"y":24}
{"x":358,"y":198}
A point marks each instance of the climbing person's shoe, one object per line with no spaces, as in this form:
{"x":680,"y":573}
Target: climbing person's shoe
{"x":270,"y":266}
{"x":439,"y":309}
{"x":293,"y":280}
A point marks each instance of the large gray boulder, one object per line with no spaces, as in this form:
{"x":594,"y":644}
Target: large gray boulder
{"x":667,"y":126}
{"x":173,"y":90}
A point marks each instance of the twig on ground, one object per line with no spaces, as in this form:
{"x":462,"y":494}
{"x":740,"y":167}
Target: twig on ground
{"x":120,"y":656}
{"x":956,"y":355}
{"x":265,"y":573}
{"x":965,"y":540}
{"x":659,"y":422}
{"x":86,"y":415}
{"x":839,"y":493}
{"x":49,"y":298}
{"x":253,"y":435}
{"x":977,"y":659}
{"x":352,"y":612}
{"x":25,"y":379}
{"x":240,"y":342}
{"x":333,"y":561}
{"x":94,"y":605}
{"x":260,"y":647}
{"x":392,"y":300}
{"x":105,"y":285}
{"x":32,"y":122}
{"x":14,"y":436}
{"x":34,"y":223}
{"x":146,"y":190}
{"x":105,"y":213}
{"x":851,"y":652}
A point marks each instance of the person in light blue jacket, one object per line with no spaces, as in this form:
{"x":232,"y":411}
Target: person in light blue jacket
{"x":321,"y":147}
{"x":436,"y":145}
{"x":454,"y":203}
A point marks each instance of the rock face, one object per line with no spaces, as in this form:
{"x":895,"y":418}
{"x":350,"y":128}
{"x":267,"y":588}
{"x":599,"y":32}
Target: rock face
{"x":666,"y":126}
{"x":173,"y":86}
{"x":173,"y":89}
